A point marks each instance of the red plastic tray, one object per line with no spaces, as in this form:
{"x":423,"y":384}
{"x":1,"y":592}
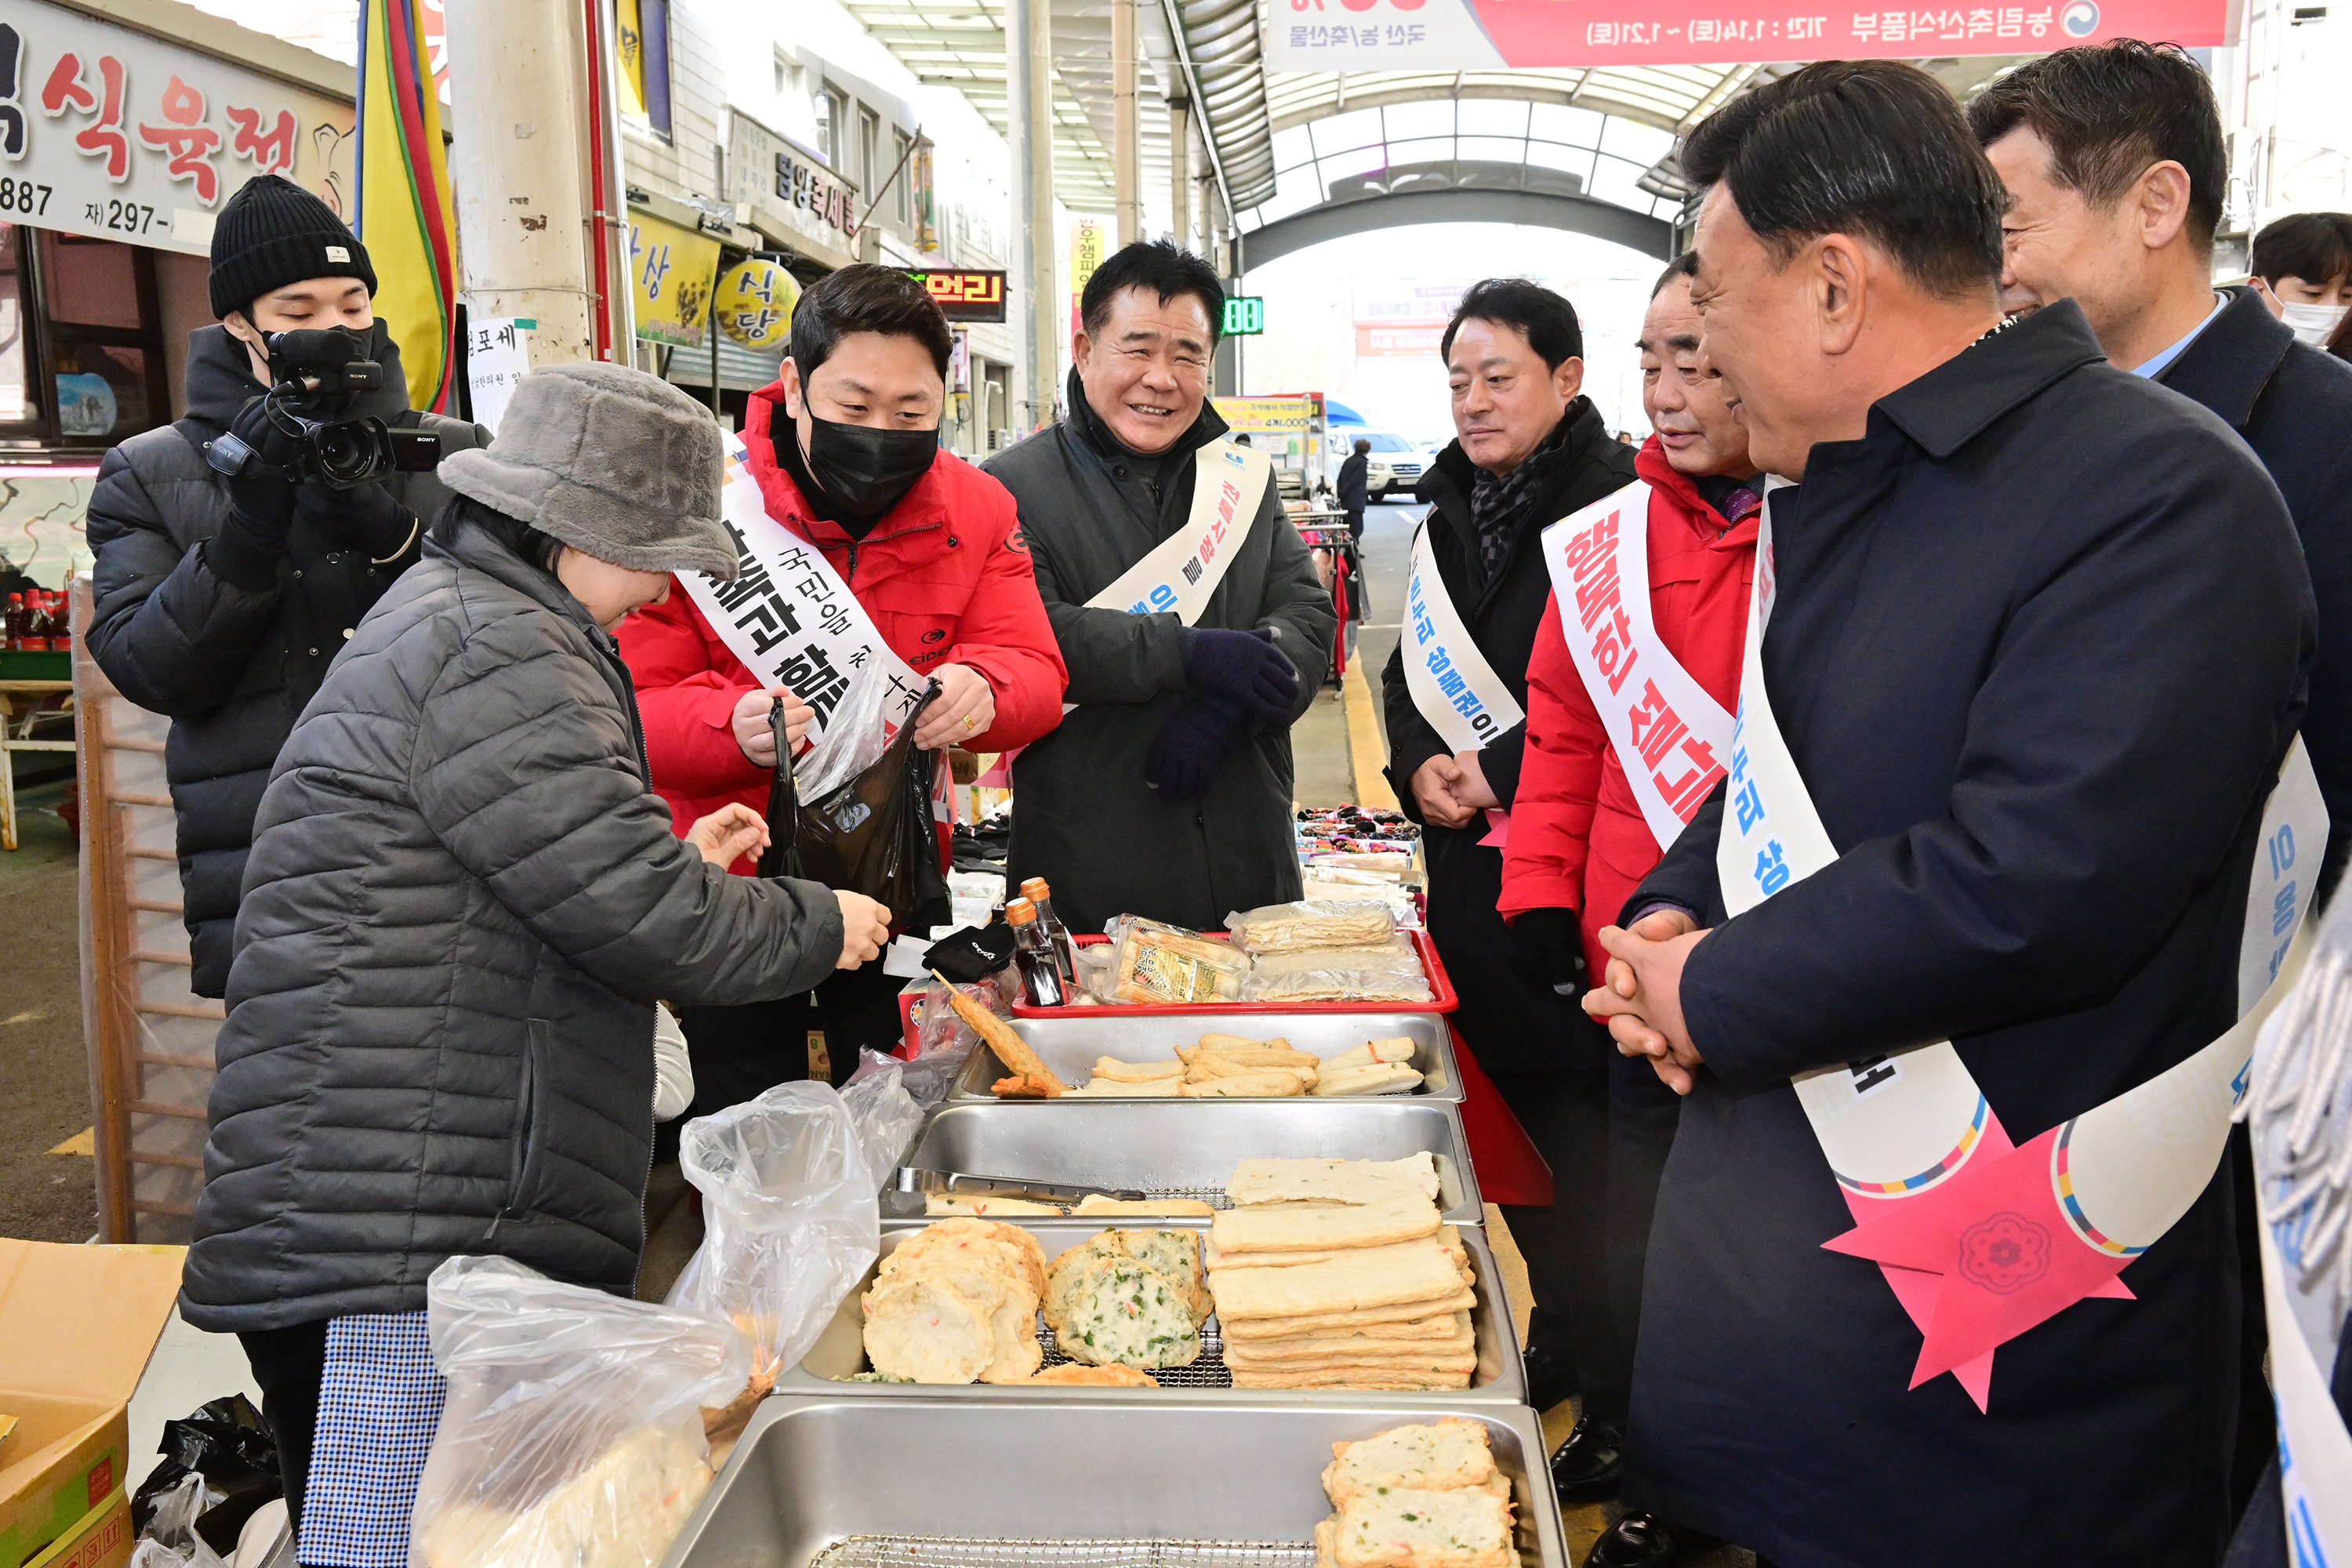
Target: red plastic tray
{"x":1442,"y":998}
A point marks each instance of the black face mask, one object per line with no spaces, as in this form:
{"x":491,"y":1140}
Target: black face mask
{"x":866,"y":471}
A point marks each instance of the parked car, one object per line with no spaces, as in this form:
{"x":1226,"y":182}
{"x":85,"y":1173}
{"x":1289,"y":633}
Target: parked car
{"x":1396,"y":465}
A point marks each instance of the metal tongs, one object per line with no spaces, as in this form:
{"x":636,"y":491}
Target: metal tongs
{"x":912,"y":1179}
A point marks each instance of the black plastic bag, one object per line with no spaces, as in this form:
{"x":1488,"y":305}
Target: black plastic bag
{"x":872,"y":835}
{"x":229,"y":1445}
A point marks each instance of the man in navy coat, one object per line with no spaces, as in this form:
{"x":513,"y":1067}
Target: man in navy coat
{"x":2114,"y":163}
{"x":2039,"y":648}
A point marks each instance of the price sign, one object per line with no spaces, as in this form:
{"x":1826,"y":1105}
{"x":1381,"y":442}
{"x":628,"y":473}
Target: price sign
{"x":969,"y":296}
{"x":1244,"y":315}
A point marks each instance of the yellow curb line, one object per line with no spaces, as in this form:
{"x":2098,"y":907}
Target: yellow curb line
{"x":1366,"y":756}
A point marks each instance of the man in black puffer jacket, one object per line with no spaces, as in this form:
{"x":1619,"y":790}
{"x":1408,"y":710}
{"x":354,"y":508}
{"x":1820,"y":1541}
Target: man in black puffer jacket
{"x":220,"y":602}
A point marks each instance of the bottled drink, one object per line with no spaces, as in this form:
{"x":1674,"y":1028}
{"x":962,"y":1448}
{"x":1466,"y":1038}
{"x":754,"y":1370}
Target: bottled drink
{"x":1065,"y":950}
{"x":1041,"y":972}
{"x":60,"y":622}
{"x":36,"y":625}
{"x":15,"y":622}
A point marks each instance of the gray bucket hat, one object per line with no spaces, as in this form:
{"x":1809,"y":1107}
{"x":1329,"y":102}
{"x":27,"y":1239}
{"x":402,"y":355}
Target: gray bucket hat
{"x":610,"y":460}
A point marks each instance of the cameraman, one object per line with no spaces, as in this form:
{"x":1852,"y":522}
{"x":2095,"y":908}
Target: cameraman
{"x":220,"y":602}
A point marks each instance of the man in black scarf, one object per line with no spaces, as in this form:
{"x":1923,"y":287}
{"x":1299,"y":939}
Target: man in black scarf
{"x":1531,"y":450}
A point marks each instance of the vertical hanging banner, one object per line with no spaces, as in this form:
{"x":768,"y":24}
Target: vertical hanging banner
{"x":1474,"y":35}
{"x":1085,"y":255}
{"x":405,"y":217}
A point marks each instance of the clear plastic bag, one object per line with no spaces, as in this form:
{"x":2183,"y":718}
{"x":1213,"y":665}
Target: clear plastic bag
{"x":790,"y":1219}
{"x":170,"y":1539}
{"x":943,"y":1042}
{"x":886,"y":1114}
{"x":1388,"y":973}
{"x":573,"y":1436}
{"x":1311,"y":923}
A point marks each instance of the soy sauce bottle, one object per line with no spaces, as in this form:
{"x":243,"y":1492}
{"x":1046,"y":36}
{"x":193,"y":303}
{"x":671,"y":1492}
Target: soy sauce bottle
{"x":1041,"y":973}
{"x":1065,"y":949}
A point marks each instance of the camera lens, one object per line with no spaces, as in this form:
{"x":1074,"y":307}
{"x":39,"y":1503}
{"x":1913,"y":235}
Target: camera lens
{"x":346,"y":453}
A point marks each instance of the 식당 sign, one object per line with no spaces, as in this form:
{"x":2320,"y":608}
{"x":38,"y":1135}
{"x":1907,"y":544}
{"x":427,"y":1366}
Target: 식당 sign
{"x":117,"y":135}
{"x":1474,"y":35}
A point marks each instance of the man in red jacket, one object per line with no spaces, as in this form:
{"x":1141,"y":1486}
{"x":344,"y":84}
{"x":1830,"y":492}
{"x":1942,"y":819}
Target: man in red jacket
{"x":1581,"y":839}
{"x":846,"y":450}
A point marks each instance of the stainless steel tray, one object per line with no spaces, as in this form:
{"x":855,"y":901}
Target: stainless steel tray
{"x":1188,"y":1149}
{"x":840,"y":1352}
{"x":1069,"y":1045}
{"x":838,"y":1482}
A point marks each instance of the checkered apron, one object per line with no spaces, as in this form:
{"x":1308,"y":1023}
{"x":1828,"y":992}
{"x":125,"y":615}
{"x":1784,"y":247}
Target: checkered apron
{"x":379,"y":1405}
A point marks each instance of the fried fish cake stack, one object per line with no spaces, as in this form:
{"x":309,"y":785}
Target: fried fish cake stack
{"x":957,"y":1302}
{"x":1424,"y":1496}
{"x":1340,"y":1274}
{"x":1129,"y":1298}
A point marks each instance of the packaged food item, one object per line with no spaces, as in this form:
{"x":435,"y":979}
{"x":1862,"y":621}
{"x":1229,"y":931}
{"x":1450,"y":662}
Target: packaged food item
{"x":1311,"y":923}
{"x":1390,"y":972}
{"x":1161,"y":965}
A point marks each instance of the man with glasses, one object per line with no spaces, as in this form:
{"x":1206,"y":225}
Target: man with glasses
{"x":1188,"y":611}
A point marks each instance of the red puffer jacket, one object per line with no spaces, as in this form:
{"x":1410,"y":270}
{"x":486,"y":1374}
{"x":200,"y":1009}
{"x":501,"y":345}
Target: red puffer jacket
{"x":1578,"y":836}
{"x":945,"y":579}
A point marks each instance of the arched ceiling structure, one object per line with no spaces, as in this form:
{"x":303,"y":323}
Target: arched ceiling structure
{"x":1280,"y":144}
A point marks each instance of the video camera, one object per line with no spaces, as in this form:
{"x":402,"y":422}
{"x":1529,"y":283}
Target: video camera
{"x":308,"y":367}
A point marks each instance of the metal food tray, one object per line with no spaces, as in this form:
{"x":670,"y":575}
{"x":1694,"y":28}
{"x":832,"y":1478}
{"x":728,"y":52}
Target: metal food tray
{"x":1180,"y":1148}
{"x":1069,"y":1043}
{"x":840,"y":1352}
{"x":937,"y":1483}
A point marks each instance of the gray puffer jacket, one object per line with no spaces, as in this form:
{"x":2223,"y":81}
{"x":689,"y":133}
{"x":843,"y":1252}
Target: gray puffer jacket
{"x":461,"y":900}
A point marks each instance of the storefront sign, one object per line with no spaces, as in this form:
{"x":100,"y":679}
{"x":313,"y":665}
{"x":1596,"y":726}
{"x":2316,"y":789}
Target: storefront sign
{"x":1267,"y":413}
{"x":792,"y":193}
{"x":116,"y":135}
{"x":671,"y":268}
{"x":755,"y":302}
{"x":1405,"y":319}
{"x":966,"y":296}
{"x":1476,"y":34}
{"x":498,"y":355}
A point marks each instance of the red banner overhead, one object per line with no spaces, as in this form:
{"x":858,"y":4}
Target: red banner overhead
{"x":1472,"y":35}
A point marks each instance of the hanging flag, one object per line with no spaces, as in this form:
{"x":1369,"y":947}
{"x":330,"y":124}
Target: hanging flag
{"x":405,"y":216}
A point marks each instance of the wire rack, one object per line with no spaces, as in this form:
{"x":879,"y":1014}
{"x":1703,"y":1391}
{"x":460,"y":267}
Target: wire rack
{"x":952,"y":1552}
{"x":1208,"y":1371}
{"x":1212,"y":1196}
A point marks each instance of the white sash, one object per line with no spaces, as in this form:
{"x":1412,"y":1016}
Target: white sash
{"x":1672,"y":738}
{"x":2300,"y":1109}
{"x":1451,"y":683}
{"x":1183,"y":570}
{"x":793,"y":622}
{"x":1893,"y":1127}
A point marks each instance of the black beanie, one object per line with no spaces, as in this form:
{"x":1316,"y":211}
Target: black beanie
{"x":273,"y":232}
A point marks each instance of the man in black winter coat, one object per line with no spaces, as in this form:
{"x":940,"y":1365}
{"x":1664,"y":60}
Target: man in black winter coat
{"x":1531,"y":450}
{"x":1355,"y":476}
{"x":2037,"y":638}
{"x":220,"y":602}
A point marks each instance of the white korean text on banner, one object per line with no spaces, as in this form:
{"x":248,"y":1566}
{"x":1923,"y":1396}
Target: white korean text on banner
{"x":1453,"y":687}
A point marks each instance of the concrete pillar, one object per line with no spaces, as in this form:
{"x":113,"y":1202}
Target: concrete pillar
{"x":1179,"y":171}
{"x":1029,"y":113}
{"x":515,"y":169}
{"x":1127,"y":129}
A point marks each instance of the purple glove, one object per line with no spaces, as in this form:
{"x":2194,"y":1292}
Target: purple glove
{"x":1194,"y":739}
{"x":1244,"y":666}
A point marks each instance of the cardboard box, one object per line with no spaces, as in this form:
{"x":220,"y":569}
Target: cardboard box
{"x":76,"y":1326}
